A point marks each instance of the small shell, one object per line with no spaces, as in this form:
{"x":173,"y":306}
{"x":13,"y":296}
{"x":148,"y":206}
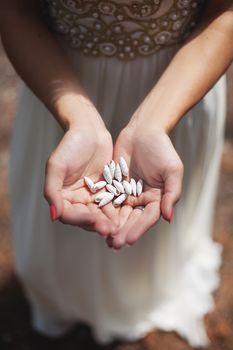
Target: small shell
{"x":119,"y":186}
{"x":134,"y":187}
{"x":139,"y":186}
{"x":127,"y":187}
{"x":106,"y":200}
{"x":107,"y":174}
{"x":112,"y":167}
{"x":102,"y":195}
{"x":118,"y":173}
{"x":124,"y":167}
{"x":119,"y":200}
{"x":99,"y":185}
{"x":113,"y":190}
{"x":90,"y":184}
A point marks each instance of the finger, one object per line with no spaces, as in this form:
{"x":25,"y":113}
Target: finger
{"x":78,"y":196}
{"x":149,"y":217}
{"x":172,"y":193}
{"x":102,"y":224}
{"x":150,"y":195}
{"x":76,"y":214}
{"x":120,"y":240}
{"x":113,"y":214}
{"x":54,"y":178}
{"x":125,"y":212}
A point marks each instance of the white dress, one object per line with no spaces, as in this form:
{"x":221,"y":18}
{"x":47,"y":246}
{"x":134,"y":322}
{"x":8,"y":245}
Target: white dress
{"x":166,"y":279}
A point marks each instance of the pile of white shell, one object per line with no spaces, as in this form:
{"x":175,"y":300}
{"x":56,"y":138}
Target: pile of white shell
{"x":117,"y":189}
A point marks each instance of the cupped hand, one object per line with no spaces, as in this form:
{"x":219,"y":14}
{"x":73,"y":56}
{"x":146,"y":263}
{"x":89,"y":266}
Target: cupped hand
{"x":83,"y":151}
{"x":151,"y":157}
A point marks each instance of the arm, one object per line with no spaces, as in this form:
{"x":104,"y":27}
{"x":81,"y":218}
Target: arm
{"x":195,"y":68}
{"x":199,"y":63}
{"x":42,"y":64}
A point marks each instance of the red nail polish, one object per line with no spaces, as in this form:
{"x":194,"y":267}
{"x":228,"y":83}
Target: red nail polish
{"x":171,"y":215}
{"x":108,"y":241}
{"x":53,"y":212}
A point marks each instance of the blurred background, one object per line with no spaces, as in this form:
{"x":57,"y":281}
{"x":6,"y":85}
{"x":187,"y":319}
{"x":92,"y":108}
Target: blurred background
{"x":15,"y":332}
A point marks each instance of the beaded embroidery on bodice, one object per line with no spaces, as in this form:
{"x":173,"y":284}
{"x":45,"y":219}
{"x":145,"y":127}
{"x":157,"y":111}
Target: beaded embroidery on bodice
{"x":123,"y":28}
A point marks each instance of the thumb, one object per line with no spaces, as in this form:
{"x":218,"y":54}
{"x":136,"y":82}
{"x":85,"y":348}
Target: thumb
{"x":54,"y":178}
{"x":172,"y":193}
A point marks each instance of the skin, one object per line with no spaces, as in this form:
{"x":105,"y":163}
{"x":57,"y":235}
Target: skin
{"x":208,"y":51}
{"x":162,"y":182}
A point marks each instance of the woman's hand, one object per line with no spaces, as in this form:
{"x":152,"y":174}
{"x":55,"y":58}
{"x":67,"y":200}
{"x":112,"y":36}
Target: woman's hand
{"x":83,"y":151}
{"x":152,"y":157}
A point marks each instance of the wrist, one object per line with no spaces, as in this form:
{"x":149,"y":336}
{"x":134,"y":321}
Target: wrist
{"x":159,"y":110}
{"x":77,"y":111}
{"x":154,"y":119}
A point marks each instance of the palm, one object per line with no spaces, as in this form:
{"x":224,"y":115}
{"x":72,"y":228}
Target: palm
{"x":81,"y":156}
{"x":152,"y":158}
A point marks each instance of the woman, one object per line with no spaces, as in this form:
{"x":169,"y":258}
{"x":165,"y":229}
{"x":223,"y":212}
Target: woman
{"x":127,"y":71}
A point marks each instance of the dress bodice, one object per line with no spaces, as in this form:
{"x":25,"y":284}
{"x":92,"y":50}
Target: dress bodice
{"x":123,"y":28}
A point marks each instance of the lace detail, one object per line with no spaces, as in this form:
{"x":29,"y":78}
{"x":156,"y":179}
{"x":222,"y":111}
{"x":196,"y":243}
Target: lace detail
{"x":126,"y":29}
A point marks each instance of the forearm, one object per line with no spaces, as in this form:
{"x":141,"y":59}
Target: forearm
{"x":42,"y":64}
{"x":192,"y":72}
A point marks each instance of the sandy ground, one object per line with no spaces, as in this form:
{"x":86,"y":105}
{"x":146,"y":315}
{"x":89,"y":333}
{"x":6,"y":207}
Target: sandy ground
{"x":15,"y":332}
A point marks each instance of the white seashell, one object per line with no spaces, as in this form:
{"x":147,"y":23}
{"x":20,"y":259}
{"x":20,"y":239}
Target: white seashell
{"x":124,"y":167}
{"x":112,"y":167}
{"x":139,"y":187}
{"x":102,"y":195}
{"x":133,"y":186}
{"x":107,"y":174}
{"x":90,"y":184}
{"x":119,"y":186}
{"x":119,"y":200}
{"x":127,"y":187}
{"x":118,"y":173}
{"x":99,"y":185}
{"x":113,"y":190}
{"x":106,"y":200}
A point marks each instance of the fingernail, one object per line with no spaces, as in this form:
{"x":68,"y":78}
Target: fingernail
{"x":171,"y":215}
{"x":53,"y":212}
{"x":109,"y":242}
